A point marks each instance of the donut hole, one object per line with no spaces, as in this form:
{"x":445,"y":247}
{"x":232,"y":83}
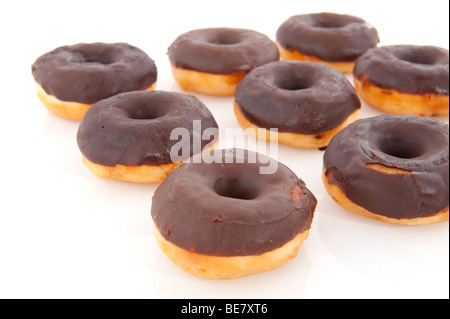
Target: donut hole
{"x":401,"y":147}
{"x":224,"y":37}
{"x":237,"y":188}
{"x":329,"y":22}
{"x":146,"y":113}
{"x":224,"y":40}
{"x":293,"y":83}
{"x":99,"y":61}
{"x":328,"y":25}
{"x":416,"y":58}
{"x":104,"y":58}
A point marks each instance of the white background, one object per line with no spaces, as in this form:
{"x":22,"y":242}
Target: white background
{"x":64,"y":233}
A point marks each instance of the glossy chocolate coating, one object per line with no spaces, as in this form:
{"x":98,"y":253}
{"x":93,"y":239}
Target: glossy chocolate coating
{"x":86,"y":73}
{"x":134,"y":128}
{"x":222,"y":50}
{"x":406,"y":68}
{"x":227,"y":208}
{"x":327,"y":36}
{"x":415,"y":144}
{"x":296,"y":97}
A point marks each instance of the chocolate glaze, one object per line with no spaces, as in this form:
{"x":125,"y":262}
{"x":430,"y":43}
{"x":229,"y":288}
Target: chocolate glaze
{"x":296,"y":97}
{"x":87,"y":73}
{"x":406,"y":68}
{"x":134,"y":128}
{"x":327,"y":36}
{"x":230,"y":209}
{"x":416,"y":144}
{"x":222,"y":50}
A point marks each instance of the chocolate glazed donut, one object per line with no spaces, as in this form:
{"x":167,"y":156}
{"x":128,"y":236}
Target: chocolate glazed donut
{"x":307,"y":102}
{"x":128,"y":136}
{"x":405,"y":79}
{"x":225,"y":219}
{"x":329,"y":38}
{"x":214,"y":60}
{"x":391,"y":168}
{"x":70,"y":79}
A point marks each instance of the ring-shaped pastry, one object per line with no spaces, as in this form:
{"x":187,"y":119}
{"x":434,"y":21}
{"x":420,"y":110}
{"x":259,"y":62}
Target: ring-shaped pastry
{"x":129,"y":136}
{"x":393,"y":168}
{"x":333,"y":39}
{"x":308,"y":103}
{"x":222,"y":218}
{"x":405,"y":79}
{"x":71,"y":78}
{"x":214,"y":60}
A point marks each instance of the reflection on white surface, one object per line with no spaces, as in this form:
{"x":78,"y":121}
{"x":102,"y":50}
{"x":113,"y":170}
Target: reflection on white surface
{"x":285,"y":282}
{"x":385,"y":251}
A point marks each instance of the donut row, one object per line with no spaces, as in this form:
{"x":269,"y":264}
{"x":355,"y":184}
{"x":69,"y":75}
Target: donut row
{"x":399,"y":79}
{"x":217,"y":215}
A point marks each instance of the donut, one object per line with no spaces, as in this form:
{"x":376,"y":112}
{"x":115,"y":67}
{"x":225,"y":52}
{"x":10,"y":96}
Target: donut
{"x":404,"y":79}
{"x":128,"y":137}
{"x":393,"y":168}
{"x":221,"y":218}
{"x":71,"y":78}
{"x":213,"y":61}
{"x":329,"y":38}
{"x":307,"y":102}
